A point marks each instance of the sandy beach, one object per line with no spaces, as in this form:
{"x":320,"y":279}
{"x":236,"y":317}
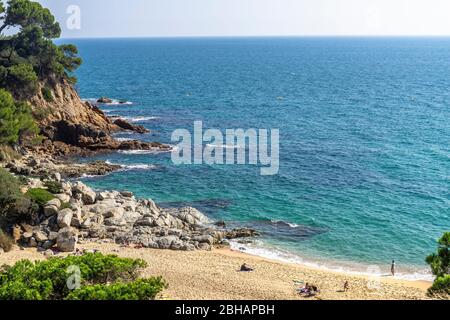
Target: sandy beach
{"x":214,"y":275}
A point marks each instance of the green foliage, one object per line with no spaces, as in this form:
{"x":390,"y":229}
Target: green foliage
{"x":6,"y":243}
{"x":142,"y":289}
{"x":47,"y":94}
{"x":17,"y":123}
{"x":102,"y":277}
{"x":29,"y":55}
{"x":40,"y":196}
{"x":14,"y":205}
{"x":54,"y":187}
{"x":440,"y":266}
{"x":22,"y":80}
{"x":9,"y":128}
{"x":24,"y":13}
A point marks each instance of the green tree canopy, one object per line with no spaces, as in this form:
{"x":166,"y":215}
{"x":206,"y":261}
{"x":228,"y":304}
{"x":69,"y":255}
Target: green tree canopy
{"x":30,"y":56}
{"x":16,"y":121}
{"x":440,"y":266}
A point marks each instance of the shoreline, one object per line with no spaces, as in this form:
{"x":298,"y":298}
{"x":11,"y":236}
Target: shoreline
{"x":330,"y":265}
{"x":210,"y":275}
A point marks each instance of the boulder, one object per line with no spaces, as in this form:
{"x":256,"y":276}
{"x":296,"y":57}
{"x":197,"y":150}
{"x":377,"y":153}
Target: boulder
{"x":166,"y":242}
{"x":241,"y":233}
{"x":67,"y":239}
{"x":87,"y":195}
{"x":50,"y":210}
{"x":54,"y":202}
{"x":146,"y":221}
{"x":116,"y":212}
{"x":123,"y":124}
{"x":127,"y":194}
{"x":32,"y":243}
{"x":204,"y":239}
{"x":104,"y":100}
{"x":52,"y":236}
{"x":64,"y":198}
{"x":65,"y":218}
{"x":40,"y":236}
{"x":177,"y":245}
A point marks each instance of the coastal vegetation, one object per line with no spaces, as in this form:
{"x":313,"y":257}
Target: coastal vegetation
{"x":440,"y":266}
{"x":29,"y":60}
{"x":14,"y":205}
{"x":92,"y":276}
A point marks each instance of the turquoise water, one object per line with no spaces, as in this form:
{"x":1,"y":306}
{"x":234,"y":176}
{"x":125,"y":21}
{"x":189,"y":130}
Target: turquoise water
{"x":364,"y":128}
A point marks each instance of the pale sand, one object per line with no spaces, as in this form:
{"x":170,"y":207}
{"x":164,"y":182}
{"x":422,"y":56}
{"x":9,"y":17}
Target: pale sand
{"x":214,"y":275}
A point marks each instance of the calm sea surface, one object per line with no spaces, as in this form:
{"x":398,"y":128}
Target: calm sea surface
{"x":364,"y":138}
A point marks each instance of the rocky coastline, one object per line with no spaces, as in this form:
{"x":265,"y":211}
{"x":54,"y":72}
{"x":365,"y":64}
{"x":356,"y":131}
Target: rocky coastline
{"x":78,"y":214}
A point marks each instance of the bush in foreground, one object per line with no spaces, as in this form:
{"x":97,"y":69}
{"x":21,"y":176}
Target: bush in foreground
{"x":101,"y":277}
{"x":440,"y":266}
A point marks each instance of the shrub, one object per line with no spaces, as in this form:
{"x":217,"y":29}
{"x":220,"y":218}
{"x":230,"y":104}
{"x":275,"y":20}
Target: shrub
{"x":142,"y":289}
{"x":440,"y":266}
{"x":40,"y":196}
{"x":6,"y":243}
{"x":47,"y":94}
{"x":47,"y":280}
{"x":54,"y":187}
{"x":14,"y":205}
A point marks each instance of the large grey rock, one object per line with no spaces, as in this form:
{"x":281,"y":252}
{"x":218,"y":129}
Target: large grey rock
{"x":64,"y":198}
{"x":115,"y":212}
{"x":65,"y":218}
{"x":177,"y":245}
{"x":146,"y":221}
{"x":86,"y":194}
{"x":50,"y":210}
{"x":204,"y":239}
{"x":54,"y":202}
{"x":40,"y":236}
{"x":166,"y":242}
{"x":67,"y":239}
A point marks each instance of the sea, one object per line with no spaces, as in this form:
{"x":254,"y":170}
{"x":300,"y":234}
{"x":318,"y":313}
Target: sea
{"x":364,"y":153}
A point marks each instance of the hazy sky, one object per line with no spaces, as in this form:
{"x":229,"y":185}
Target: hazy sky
{"x":137,"y":18}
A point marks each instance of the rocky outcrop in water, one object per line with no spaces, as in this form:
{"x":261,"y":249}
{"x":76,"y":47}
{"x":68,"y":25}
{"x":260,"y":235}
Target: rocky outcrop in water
{"x":72,"y":126}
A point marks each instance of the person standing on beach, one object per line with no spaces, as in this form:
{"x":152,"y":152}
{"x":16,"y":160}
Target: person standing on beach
{"x":393,"y":268}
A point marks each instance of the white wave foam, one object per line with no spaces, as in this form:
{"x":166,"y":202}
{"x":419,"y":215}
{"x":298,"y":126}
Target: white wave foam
{"x":124,"y":139}
{"x":140,"y":119}
{"x":225,"y":146}
{"x":137,"y":166}
{"x":113,"y":103}
{"x":292,"y":225}
{"x":262,"y":250}
{"x":152,"y":151}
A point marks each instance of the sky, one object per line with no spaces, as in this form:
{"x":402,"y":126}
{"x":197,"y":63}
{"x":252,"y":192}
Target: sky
{"x":173,"y":18}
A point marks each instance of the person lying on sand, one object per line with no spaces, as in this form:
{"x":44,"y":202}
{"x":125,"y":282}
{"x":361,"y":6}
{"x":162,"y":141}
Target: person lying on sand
{"x":246,"y":268}
{"x":308,"y":290}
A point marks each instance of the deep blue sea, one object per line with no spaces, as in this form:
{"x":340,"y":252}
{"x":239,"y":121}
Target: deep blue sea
{"x":364,"y":138}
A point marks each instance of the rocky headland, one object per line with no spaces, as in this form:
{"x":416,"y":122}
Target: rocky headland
{"x":70,"y":126}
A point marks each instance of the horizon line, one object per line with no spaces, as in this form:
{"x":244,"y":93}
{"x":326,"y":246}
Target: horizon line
{"x":254,"y":36}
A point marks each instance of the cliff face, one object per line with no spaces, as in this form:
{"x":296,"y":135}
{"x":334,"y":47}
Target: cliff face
{"x":70,"y":125}
{"x":67,"y":106}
